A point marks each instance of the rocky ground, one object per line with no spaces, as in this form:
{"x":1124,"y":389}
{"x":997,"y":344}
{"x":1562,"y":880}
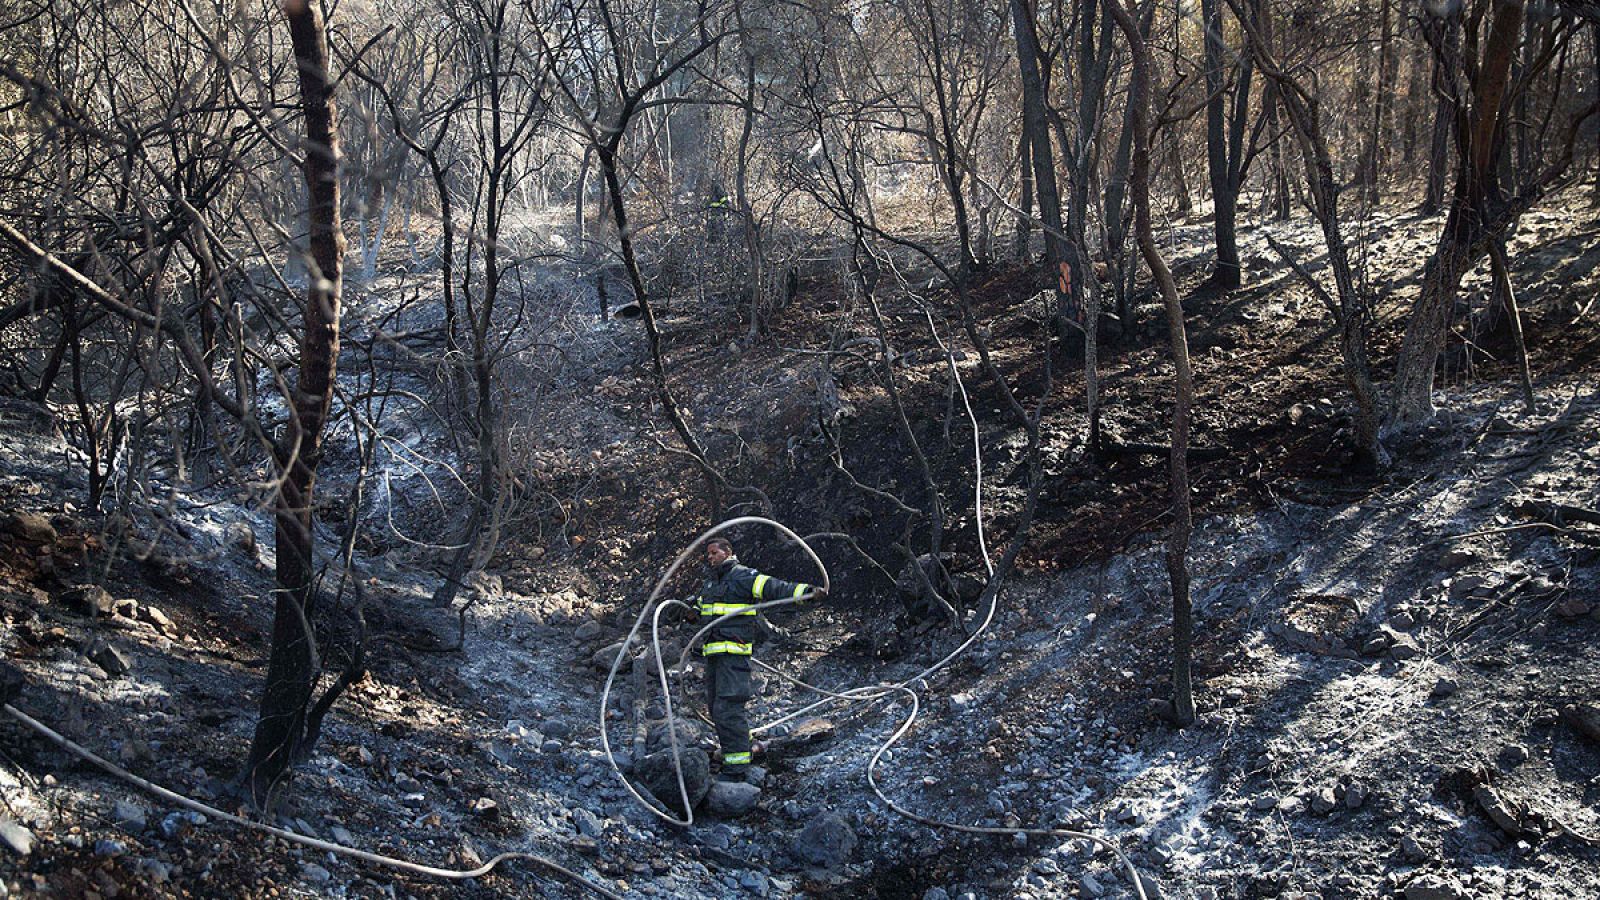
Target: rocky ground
{"x":1396,"y":675}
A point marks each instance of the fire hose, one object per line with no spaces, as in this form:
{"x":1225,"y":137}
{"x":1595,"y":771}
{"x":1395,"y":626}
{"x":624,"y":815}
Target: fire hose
{"x":653,"y":609}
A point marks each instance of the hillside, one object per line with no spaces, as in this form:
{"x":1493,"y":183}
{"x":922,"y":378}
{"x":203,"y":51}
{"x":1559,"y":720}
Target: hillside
{"x":1396,"y":672}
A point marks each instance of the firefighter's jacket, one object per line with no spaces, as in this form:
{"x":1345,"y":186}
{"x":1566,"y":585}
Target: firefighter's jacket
{"x":733,"y":588}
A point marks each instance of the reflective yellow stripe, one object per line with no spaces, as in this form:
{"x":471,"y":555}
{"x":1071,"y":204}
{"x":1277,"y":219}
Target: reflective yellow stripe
{"x":761,"y":582}
{"x":799,"y":589}
{"x":722,"y":609}
{"x":736,"y":759}
{"x":734,"y":647}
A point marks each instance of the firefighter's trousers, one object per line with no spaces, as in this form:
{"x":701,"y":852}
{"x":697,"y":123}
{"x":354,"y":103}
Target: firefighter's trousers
{"x":728,"y":689}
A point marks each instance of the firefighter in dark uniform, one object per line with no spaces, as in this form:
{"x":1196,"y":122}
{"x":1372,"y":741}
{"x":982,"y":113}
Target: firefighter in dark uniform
{"x":732,"y":588}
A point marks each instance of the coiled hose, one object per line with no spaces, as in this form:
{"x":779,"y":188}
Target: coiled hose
{"x":652,"y":609}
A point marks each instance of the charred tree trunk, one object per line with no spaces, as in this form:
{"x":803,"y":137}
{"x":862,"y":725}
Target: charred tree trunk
{"x":1224,"y":144}
{"x":1473,"y":222}
{"x":754,"y":252}
{"x":292,"y":667}
{"x":1416,"y":101}
{"x":1178,"y":538}
{"x":1116,"y":220}
{"x":506,"y":134}
{"x":1382,"y":103}
{"x":947,"y":154}
{"x":630,"y":261}
{"x":1281,"y":201}
{"x":1446,"y":39}
{"x":1507,"y":293}
{"x":1302,"y":107}
{"x":1036,"y":130}
{"x":1024,"y":223}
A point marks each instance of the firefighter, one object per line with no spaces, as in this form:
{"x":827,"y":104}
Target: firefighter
{"x":733,"y":588}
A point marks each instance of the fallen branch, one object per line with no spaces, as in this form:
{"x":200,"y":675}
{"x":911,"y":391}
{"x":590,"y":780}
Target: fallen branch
{"x":1552,"y":513}
{"x":1306,"y":276}
{"x":1137,"y":448}
{"x":1506,"y":530}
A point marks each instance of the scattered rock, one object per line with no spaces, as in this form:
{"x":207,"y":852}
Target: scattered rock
{"x":1324,"y":801}
{"x":315,"y":873}
{"x":1435,"y":887}
{"x":1161,"y":708}
{"x":1471,"y":586}
{"x":657,"y":774}
{"x":486,"y":587}
{"x":1318,"y":623}
{"x":31,"y":527}
{"x":109,"y":849}
{"x":1404,"y":648}
{"x":1505,"y":814}
{"x":243,"y":539}
{"x":12,"y":682}
{"x":588,"y":631}
{"x":1415,"y":851}
{"x":603,"y":658}
{"x":912,"y":589}
{"x":587,"y":823}
{"x":1091,"y":886}
{"x":1152,"y":887}
{"x":756,"y":883}
{"x":1573,"y":607}
{"x":658,"y":738}
{"x":113,"y":661}
{"x":154,"y":869}
{"x":17,"y":839}
{"x":175,"y":824}
{"x":129,"y":816}
{"x":826,"y":841}
{"x":154,"y":616}
{"x":1444,"y":687}
{"x":89,"y":600}
{"x":807,"y":733}
{"x":729,"y":799}
{"x":485,"y":808}
{"x":127,"y":608}
{"x":1511,"y":756}
{"x":1355,"y":797}
{"x":1584,"y":718}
